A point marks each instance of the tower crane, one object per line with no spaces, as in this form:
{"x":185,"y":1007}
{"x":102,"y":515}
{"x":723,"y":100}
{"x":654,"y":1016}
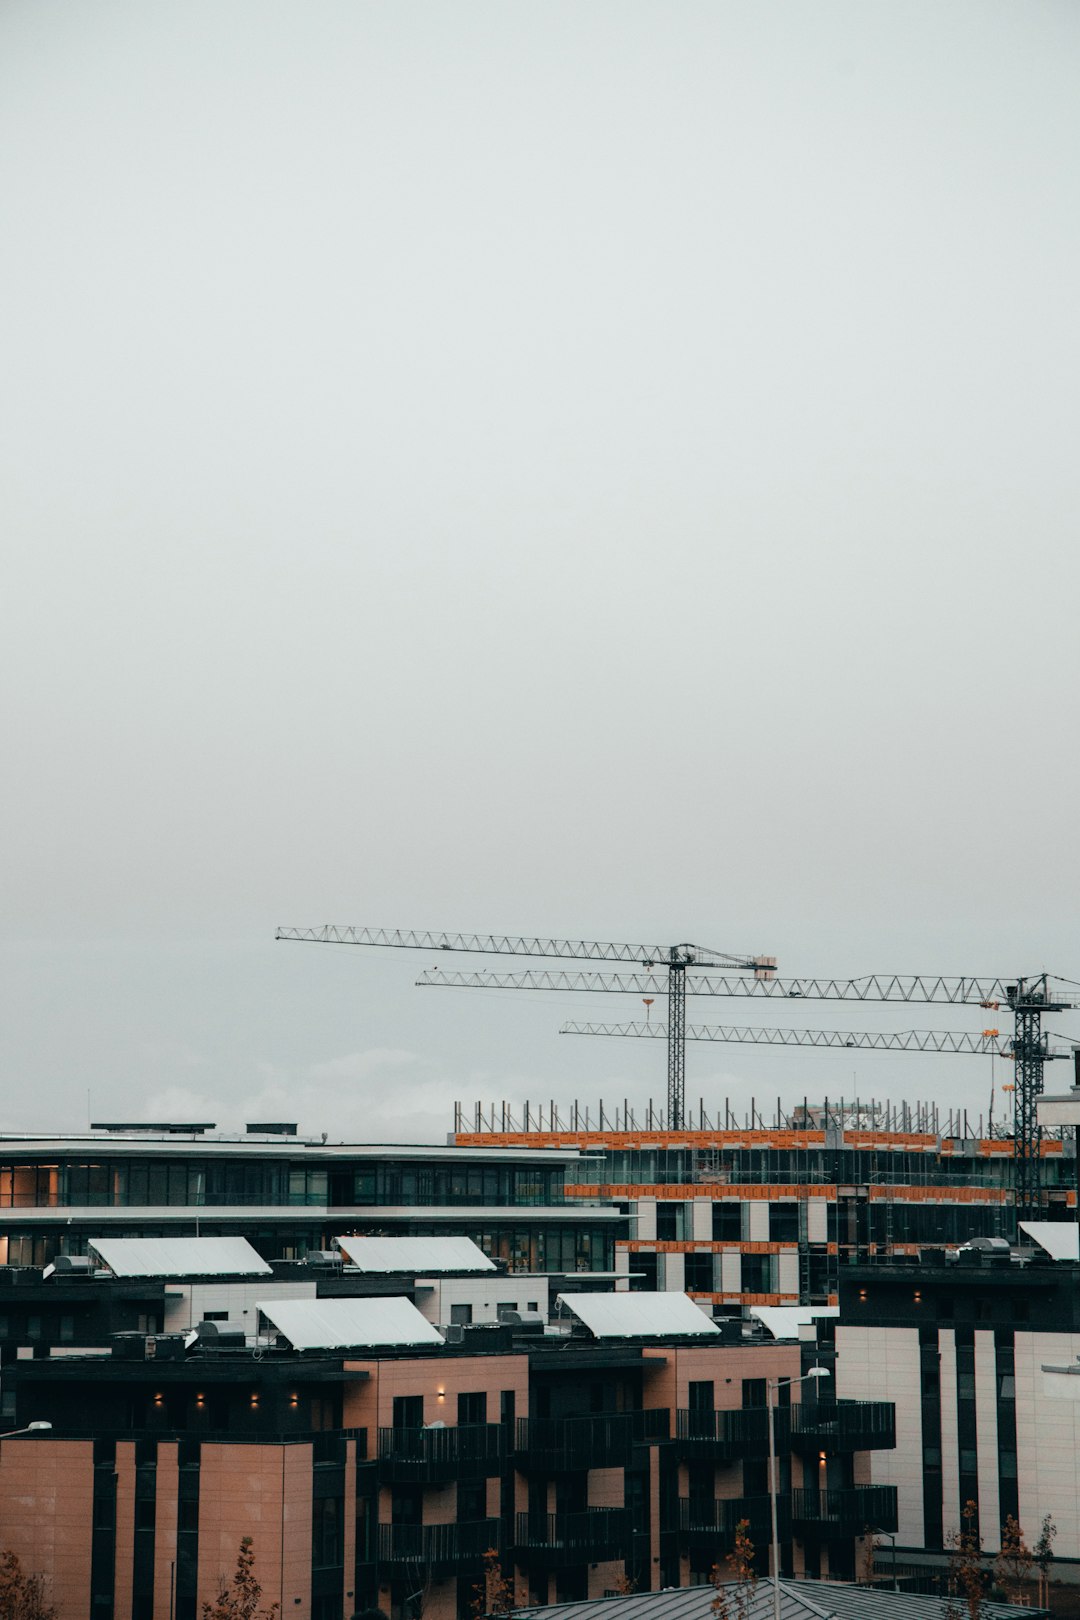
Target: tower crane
{"x":675,"y":971}
{"x":1028,"y":999}
{"x":672,"y":961}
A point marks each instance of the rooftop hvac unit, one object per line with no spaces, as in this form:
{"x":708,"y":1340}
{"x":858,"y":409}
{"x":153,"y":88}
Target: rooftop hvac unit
{"x":324,"y":1257}
{"x":71,"y":1265}
{"x":221,"y":1335}
{"x":454,"y":1334}
{"x":148,"y":1346}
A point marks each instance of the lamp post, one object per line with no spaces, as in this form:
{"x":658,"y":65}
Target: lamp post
{"x":771,"y":1388}
{"x":31,"y":1428}
{"x":891,"y":1537}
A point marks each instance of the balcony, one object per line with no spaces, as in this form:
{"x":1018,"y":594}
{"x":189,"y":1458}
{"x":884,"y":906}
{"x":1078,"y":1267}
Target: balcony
{"x":445,"y":1547}
{"x":842,"y":1426}
{"x":433,"y":1456}
{"x":722,"y":1437}
{"x":556,"y":1445}
{"x":715,"y":1523}
{"x":844,"y":1512}
{"x":556,"y":1540}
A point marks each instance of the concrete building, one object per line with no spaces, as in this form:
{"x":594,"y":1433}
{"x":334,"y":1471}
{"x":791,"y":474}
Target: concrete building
{"x":742,"y":1217}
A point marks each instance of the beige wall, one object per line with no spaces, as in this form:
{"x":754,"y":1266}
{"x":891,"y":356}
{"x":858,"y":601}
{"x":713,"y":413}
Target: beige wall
{"x":46,"y":1492}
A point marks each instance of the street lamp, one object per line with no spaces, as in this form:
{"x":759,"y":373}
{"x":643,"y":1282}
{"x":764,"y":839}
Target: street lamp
{"x":891,"y":1536}
{"x":771,"y":1388}
{"x":31,"y":1428}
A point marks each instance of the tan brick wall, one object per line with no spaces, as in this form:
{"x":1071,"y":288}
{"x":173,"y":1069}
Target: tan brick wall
{"x":605,"y":1488}
{"x":46,"y":1488}
{"x":263,"y":1492}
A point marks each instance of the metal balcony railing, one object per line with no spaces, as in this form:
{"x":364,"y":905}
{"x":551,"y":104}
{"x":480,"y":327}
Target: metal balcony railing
{"x":717,"y":1521}
{"x":428,"y":1456}
{"x":438,"y":1546}
{"x":842,"y":1426}
{"x":845,"y":1512}
{"x":559,"y":1539}
{"x":553,"y":1445}
{"x":723,"y":1436}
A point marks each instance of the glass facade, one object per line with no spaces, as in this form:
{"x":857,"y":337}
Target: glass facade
{"x":157,"y":1180}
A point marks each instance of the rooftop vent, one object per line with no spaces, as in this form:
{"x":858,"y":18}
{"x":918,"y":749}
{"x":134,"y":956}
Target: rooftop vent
{"x":166,"y":1127}
{"x":68,"y":1265}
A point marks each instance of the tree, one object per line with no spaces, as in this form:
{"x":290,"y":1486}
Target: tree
{"x":238,"y":1598}
{"x":1044,"y":1556}
{"x":967,"y":1579}
{"x":740,"y":1573}
{"x":23,"y":1597}
{"x":871,"y":1547}
{"x":495,"y":1593}
{"x":1012,"y":1566}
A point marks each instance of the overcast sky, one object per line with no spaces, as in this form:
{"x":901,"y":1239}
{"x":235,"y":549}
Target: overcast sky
{"x":603,"y":468}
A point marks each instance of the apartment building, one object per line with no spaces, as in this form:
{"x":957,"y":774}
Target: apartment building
{"x":979,"y":1355}
{"x":373,"y":1457}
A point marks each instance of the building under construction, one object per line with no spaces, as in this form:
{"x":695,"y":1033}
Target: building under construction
{"x":766,"y":1212}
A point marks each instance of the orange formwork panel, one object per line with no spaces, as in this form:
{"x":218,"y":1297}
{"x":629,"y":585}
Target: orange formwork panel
{"x":681,"y":1191}
{"x":641,"y":1139}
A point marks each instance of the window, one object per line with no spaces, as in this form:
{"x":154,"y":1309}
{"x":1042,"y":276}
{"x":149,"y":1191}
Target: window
{"x":408,"y":1412}
{"x":471,"y":1500}
{"x":727,"y":1221}
{"x":326,"y":1538}
{"x":757,"y":1275}
{"x":670,"y":1221}
{"x":67,"y":1328}
{"x":698,"y":1276}
{"x":461,"y":1315}
{"x":215,"y":1316}
{"x":472,"y":1408}
{"x":701,"y":1395}
{"x":33,"y":1327}
{"x":784,"y":1222}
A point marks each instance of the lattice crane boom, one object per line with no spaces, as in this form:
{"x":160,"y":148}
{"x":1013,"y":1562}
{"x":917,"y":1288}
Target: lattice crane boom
{"x":675,"y":959}
{"x":596,"y":950}
{"x":896,"y":1040}
{"x":983,"y":992}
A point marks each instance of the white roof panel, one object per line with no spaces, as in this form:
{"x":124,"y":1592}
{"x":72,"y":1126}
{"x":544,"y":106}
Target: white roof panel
{"x":345,"y":1324}
{"x":784,"y":1321}
{"x":1060,"y":1239}
{"x":180,"y":1257}
{"x":419,"y":1255}
{"x":638,"y":1316}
